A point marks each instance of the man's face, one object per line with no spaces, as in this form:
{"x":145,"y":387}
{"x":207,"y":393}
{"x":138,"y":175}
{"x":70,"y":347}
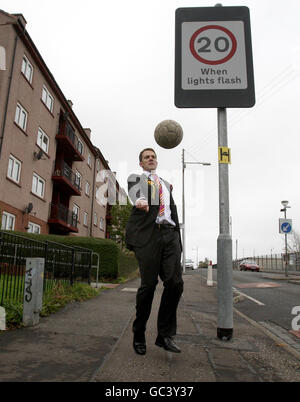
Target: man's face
{"x":149,"y":161}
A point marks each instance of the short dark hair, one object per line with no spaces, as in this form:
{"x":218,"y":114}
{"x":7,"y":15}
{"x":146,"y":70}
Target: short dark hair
{"x":146,"y":149}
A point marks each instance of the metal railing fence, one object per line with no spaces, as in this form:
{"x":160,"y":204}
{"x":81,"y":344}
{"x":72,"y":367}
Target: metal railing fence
{"x":274,"y":262}
{"x":62,"y":263}
{"x":64,"y":170}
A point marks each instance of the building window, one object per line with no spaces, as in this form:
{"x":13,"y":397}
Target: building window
{"x":27,"y":69}
{"x":98,"y":165}
{"x":87,"y":188}
{"x":95,"y":219}
{"x":80,"y":147}
{"x":38,"y":185}
{"x":89,"y":161}
{"x":33,"y":228}
{"x":2,"y":58}
{"x":85,"y":218}
{"x":8,"y":221}
{"x":101,"y":224}
{"x":78,"y":179}
{"x":100,"y":197}
{"x":76,"y":210}
{"x":21,"y":117}
{"x":43,"y":140}
{"x":47,"y":98}
{"x":14,"y":169}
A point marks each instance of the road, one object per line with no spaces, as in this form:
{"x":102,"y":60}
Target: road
{"x":266,"y":301}
{"x":272,"y":300}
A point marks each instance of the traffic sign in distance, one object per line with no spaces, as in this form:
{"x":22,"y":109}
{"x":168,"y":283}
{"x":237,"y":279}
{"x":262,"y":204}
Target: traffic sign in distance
{"x":213,"y":57}
{"x":285,"y":225}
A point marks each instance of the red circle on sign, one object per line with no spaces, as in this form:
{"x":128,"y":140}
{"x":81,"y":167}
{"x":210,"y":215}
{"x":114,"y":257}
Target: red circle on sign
{"x":213,"y":62}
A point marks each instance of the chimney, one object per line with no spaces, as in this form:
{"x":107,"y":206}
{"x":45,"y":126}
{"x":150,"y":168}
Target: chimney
{"x":88,"y":132}
{"x":70,"y":103}
{"x":21,"y":19}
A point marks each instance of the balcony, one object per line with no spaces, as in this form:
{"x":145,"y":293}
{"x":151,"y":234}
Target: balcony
{"x":68,"y":141}
{"x":62,"y":220}
{"x":66,"y":179}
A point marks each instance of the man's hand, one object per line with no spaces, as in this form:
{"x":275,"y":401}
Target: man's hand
{"x":142,"y":204}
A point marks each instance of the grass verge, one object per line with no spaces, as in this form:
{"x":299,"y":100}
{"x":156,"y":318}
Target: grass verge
{"x":54,"y":299}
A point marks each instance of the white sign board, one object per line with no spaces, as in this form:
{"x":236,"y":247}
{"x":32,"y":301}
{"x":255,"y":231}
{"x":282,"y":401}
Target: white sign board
{"x":285,"y":225}
{"x":213,"y":58}
{"x":213,"y":55}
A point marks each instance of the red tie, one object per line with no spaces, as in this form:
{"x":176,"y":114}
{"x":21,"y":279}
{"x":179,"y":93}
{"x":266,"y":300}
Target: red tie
{"x":161,"y":196}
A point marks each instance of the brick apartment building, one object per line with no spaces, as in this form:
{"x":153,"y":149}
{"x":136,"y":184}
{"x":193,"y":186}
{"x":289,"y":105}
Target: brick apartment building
{"x":48,"y":164}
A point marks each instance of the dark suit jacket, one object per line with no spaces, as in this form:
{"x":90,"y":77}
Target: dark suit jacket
{"x":141,"y":224}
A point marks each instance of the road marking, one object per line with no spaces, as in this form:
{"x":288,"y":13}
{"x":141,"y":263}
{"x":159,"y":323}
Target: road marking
{"x":243,"y":294}
{"x":258,"y":285}
{"x":248,"y":297}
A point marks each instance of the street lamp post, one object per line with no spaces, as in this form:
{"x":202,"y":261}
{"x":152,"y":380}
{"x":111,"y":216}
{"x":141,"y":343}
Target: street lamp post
{"x":285,"y":206}
{"x":196,"y":249}
{"x":184,"y":163}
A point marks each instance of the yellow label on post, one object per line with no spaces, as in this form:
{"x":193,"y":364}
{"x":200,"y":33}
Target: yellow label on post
{"x":224,"y":155}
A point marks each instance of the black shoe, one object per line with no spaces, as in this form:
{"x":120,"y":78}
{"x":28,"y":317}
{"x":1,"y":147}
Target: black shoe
{"x":139,"y":347}
{"x":139,"y":344}
{"x":167,"y":343}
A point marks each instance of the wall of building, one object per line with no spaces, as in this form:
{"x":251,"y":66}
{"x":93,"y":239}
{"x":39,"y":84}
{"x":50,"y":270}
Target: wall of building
{"x":21,"y":143}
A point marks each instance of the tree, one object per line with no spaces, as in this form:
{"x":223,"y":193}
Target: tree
{"x":204,"y":264}
{"x":119,"y":217}
{"x":294,"y":242}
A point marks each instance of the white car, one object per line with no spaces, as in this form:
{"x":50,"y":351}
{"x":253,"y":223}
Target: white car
{"x":189,"y":264}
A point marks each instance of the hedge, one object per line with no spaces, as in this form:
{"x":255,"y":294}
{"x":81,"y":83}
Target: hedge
{"x":113,"y":263}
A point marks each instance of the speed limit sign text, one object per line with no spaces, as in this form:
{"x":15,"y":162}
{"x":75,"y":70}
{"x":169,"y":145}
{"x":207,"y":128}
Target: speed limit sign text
{"x":213,"y":65}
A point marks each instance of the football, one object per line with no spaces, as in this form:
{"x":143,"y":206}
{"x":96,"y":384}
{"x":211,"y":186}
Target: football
{"x":168,"y":134}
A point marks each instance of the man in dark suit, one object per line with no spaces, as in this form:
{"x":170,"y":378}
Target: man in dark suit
{"x":153,"y":233}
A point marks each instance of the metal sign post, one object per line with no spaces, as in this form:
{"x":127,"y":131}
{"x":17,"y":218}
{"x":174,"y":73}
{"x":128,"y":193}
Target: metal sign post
{"x":224,"y":242}
{"x":214,"y":69}
{"x":285,"y":226}
{"x":183,"y":215}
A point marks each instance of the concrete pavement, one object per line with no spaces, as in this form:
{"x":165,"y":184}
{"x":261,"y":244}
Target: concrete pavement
{"x":92,"y":342}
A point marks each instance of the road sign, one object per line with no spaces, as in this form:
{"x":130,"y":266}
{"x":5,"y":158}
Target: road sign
{"x":213,"y":57}
{"x":224,"y":155}
{"x":285,"y":225}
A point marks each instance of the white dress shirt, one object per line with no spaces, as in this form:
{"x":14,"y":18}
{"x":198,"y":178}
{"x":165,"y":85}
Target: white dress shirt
{"x":166,"y":217}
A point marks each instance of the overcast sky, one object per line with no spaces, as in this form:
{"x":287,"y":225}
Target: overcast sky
{"x":115,"y":61}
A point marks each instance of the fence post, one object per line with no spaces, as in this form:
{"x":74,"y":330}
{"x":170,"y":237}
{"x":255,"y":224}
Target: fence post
{"x":33,"y":290}
{"x":90,"y":267}
{"x":46,"y":260}
{"x":72,"y":267}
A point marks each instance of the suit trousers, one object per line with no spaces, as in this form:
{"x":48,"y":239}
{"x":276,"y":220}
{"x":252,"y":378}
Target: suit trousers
{"x":160,"y":257}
